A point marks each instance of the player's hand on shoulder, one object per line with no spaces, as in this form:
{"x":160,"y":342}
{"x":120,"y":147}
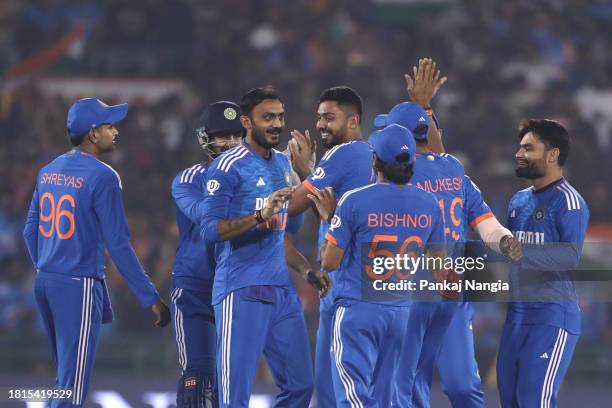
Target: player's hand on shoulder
{"x":320,"y":281}
{"x":276,"y":200}
{"x":511,"y":247}
{"x":425,"y":82}
{"x":325,"y":200}
{"x":162,"y":313}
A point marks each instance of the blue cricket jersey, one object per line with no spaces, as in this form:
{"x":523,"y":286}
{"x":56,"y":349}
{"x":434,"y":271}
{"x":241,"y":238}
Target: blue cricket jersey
{"x":194,"y":264}
{"x":239,"y":182}
{"x":367,"y":218}
{"x":459,"y":198}
{"x":77,"y":210}
{"x":343,"y":167}
{"x":551,"y":224}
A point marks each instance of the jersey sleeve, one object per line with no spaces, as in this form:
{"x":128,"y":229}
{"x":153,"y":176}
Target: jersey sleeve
{"x":188,"y":197}
{"x":30,"y":231}
{"x":330,"y":172}
{"x":220,"y":187}
{"x":108,"y":205}
{"x":341,"y":228}
{"x":571,"y":221}
{"x":477,"y":208}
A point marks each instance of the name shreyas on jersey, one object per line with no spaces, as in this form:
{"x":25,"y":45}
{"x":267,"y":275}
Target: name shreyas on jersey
{"x":61,"y":179}
{"x":529,"y":237}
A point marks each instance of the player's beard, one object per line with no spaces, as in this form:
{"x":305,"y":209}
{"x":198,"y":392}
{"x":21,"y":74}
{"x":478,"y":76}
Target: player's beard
{"x":533,"y":170}
{"x":259,"y":136}
{"x":334,"y":138}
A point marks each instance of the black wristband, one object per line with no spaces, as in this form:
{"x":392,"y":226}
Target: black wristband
{"x":258,"y":217}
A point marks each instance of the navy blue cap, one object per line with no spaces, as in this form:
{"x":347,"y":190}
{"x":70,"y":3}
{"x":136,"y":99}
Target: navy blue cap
{"x":89,"y":113}
{"x":408,"y":114}
{"x":221,"y":117}
{"x":391,"y":142}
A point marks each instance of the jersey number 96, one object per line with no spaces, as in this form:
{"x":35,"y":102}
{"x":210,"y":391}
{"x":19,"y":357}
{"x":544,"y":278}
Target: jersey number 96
{"x":55,"y":215}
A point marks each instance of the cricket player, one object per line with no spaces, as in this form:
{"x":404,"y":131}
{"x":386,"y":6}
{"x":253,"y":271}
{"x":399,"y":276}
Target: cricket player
{"x":194,"y":265}
{"x":369,"y":331}
{"x":256,"y":307}
{"x":76,"y":213}
{"x":345,"y":166}
{"x":462,"y":204}
{"x":550,"y":220}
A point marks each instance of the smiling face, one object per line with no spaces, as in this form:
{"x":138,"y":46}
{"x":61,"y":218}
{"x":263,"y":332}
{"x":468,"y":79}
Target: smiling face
{"x":533,"y":157}
{"x":105,"y":138}
{"x":332,"y":123}
{"x":266,"y":123}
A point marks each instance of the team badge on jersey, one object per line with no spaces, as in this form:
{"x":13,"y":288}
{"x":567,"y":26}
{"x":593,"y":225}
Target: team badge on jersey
{"x":538,"y":215}
{"x":335,"y":223}
{"x":212,"y":186}
{"x":319,"y":173}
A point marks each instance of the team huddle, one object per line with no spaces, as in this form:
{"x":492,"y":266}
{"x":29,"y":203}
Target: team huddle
{"x":232,"y":298}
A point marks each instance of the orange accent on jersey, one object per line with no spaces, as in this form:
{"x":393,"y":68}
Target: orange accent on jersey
{"x":309,"y":186}
{"x":65,"y":213}
{"x":481,"y":218}
{"x":48,"y":217}
{"x":456,"y":201}
{"x":331,"y":239}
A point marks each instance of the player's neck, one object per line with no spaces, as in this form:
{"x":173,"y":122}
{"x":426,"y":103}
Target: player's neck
{"x":548,"y":179}
{"x":90,"y":148}
{"x":260,"y":150}
{"x":352,"y":136}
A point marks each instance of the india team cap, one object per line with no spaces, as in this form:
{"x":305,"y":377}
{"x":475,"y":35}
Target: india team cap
{"x":89,"y":113}
{"x":221,"y":117}
{"x":391,"y":143}
{"x":408,"y":114}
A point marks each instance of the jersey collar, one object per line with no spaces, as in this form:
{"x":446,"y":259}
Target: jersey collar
{"x":549,"y":186}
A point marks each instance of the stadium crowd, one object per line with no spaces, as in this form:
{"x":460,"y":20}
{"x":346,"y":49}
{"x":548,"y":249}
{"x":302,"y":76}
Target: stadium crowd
{"x":504,"y":61}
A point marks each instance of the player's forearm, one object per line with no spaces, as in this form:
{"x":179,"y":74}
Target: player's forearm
{"x":30,"y":235}
{"x":137,"y":280}
{"x":295,"y":259}
{"x":491,"y":232}
{"x":223,"y":230}
{"x":299,"y":202}
{"x":434,"y":136}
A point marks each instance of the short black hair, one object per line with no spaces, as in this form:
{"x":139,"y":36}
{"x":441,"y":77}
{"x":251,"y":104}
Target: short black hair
{"x":396,"y":173}
{"x":255,"y":96}
{"x":344,"y":96}
{"x":551,"y":133}
{"x":77,"y":140}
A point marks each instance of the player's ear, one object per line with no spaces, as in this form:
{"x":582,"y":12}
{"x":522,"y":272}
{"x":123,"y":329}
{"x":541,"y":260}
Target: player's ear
{"x":246,"y":121}
{"x":354,"y":122}
{"x":92,"y":136}
{"x":553,"y":155}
